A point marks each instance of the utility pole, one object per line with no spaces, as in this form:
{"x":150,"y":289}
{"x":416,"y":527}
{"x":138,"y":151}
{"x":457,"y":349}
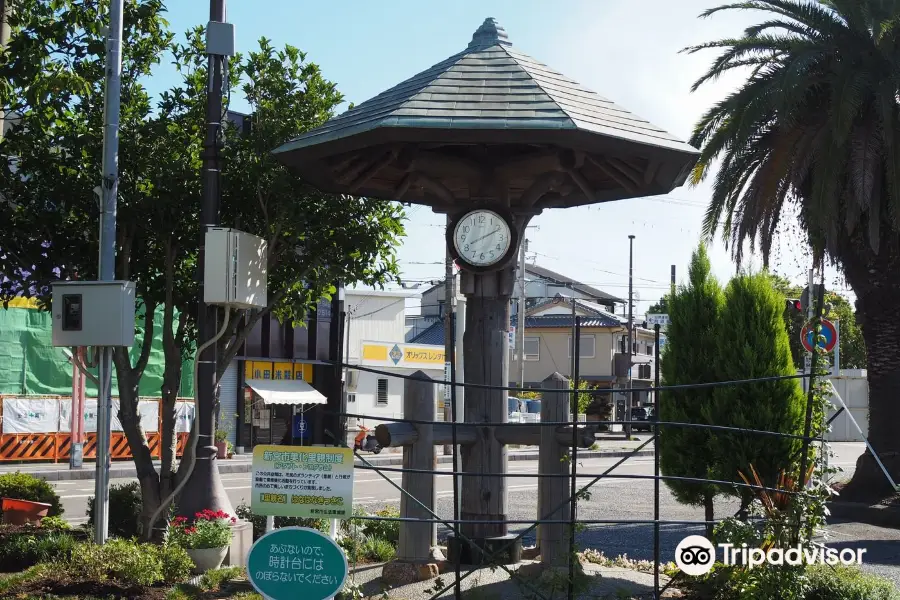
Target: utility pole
{"x":204,"y":488}
{"x":449,"y":301}
{"x":673,"y":277}
{"x":5,"y":12}
{"x":109,"y":190}
{"x":629,"y":397}
{"x":520,"y":314}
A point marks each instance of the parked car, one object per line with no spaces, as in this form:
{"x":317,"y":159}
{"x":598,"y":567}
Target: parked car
{"x":642,"y":418}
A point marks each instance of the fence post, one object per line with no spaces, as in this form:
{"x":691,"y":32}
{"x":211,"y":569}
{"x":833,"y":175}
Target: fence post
{"x":553,"y":538}
{"x":417,"y":539}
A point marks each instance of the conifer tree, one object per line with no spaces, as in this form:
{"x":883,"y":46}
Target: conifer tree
{"x":690,"y":357}
{"x":754,"y":344}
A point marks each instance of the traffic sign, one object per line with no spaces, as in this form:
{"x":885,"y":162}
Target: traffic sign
{"x":657,"y":319}
{"x":296,"y":562}
{"x":828,"y":332}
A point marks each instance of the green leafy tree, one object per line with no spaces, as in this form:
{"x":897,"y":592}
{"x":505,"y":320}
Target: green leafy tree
{"x":754,"y":344}
{"x":815,"y":125}
{"x":661,"y":307}
{"x":690,"y":357}
{"x":53,"y":82}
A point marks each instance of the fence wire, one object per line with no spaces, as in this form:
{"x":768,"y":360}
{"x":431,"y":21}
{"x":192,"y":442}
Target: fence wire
{"x":490,"y":558}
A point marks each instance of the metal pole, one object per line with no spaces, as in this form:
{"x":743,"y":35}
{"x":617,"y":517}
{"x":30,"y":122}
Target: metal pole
{"x":836,"y":371}
{"x":520,"y":314}
{"x":656,"y":462}
{"x":107,"y":268}
{"x":574,"y":345}
{"x":5,"y":12}
{"x":204,"y":488}
{"x":629,"y":397}
{"x":449,"y":295}
{"x":457,"y":592}
{"x":573,"y":492}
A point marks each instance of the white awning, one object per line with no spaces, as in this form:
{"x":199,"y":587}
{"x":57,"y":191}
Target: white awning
{"x":286,"y":391}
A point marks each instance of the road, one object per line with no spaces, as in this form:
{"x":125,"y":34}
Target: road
{"x":611,"y":499}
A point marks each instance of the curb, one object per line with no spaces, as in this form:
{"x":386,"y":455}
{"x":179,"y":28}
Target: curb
{"x":245,"y":466}
{"x":860,"y":512}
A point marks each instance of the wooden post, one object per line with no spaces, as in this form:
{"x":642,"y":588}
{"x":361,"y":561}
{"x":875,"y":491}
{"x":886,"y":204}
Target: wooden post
{"x":486,"y":352}
{"x":417,"y":539}
{"x":553,"y":539}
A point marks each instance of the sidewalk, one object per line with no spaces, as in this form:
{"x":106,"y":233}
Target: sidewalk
{"x":610,"y":447}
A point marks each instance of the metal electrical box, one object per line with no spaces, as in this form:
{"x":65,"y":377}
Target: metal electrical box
{"x":93,"y":313}
{"x":235,"y":269}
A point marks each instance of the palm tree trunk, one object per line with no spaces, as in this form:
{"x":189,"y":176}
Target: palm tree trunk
{"x":709,"y":514}
{"x":878,"y":301}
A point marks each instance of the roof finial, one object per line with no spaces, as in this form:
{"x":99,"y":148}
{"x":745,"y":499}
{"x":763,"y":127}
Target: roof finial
{"x":489,"y":34}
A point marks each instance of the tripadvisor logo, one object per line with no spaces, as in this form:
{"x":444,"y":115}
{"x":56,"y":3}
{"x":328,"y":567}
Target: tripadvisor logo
{"x":695,"y":555}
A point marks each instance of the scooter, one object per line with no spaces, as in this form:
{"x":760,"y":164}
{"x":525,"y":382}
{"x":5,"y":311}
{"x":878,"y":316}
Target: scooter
{"x":366,"y":442}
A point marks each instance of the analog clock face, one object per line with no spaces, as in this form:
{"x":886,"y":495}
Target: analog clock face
{"x":481,"y":238}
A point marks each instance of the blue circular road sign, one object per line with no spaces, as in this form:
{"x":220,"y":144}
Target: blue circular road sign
{"x":829,"y":333}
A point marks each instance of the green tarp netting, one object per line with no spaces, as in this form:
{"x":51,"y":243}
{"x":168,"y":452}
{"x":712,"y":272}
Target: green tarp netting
{"x":30,"y":365}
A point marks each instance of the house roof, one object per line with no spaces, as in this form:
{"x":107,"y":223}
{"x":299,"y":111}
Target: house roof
{"x":565,"y":321}
{"x":591,"y":308}
{"x":593,"y":292}
{"x":432,"y":335}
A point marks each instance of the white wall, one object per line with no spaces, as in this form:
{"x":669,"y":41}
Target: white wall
{"x":853,"y":388}
{"x":367,"y":395}
{"x":374,"y":316}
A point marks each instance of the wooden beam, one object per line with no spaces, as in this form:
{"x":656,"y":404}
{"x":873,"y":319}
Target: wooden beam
{"x":530,"y":435}
{"x":445,"y":165}
{"x":543,"y":184}
{"x":626,"y":170}
{"x":395,"y":435}
{"x":538,"y":162}
{"x":437,"y":188}
{"x":613,"y":174}
{"x":373,"y":170}
{"x":553,"y":492}
{"x":356,"y":167}
{"x":581,"y":182}
{"x":404,"y":186}
{"x":417,"y":539}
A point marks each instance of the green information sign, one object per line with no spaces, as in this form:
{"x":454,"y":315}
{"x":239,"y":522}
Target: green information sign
{"x":296,"y":562}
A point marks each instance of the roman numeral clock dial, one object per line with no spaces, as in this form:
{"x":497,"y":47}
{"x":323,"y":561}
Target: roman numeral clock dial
{"x":482,"y":238}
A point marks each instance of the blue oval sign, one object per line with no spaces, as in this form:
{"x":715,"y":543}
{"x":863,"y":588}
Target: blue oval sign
{"x":296,"y":562}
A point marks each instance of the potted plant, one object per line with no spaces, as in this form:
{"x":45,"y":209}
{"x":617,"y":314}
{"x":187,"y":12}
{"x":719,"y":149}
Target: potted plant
{"x":206,"y":539}
{"x":221,"y":443}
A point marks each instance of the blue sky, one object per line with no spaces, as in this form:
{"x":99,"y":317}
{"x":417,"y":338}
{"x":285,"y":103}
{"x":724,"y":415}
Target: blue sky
{"x":627,"y":51}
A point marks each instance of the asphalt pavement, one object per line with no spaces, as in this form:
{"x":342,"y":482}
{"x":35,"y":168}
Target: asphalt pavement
{"x":620,"y":500}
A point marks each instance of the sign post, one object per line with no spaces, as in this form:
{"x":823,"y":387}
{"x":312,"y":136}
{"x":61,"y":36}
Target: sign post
{"x":296,"y":562}
{"x":302,"y":481}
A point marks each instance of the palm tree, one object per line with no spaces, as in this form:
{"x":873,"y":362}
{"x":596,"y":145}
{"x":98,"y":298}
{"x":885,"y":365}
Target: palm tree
{"x":817,"y":126}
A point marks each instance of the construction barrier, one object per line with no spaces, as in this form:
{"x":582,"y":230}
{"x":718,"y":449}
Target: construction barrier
{"x":56,"y":446}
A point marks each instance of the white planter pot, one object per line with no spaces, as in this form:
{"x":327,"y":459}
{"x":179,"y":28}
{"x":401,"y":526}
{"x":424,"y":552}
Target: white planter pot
{"x":207,"y":559}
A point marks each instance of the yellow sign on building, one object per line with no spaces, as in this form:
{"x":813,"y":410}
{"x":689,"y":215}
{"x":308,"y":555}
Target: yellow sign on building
{"x":258,"y":369}
{"x":405,"y":356}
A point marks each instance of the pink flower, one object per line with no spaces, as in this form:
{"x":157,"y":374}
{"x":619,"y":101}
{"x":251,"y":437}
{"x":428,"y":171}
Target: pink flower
{"x":234,"y":519}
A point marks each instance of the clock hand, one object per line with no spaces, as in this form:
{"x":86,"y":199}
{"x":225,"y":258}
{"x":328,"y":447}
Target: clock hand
{"x":484,"y":236}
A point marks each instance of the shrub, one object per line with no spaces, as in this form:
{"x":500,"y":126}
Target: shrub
{"x":377,"y":549}
{"x":55,"y":524}
{"x":259,"y":521}
{"x":125,"y":505}
{"x":847,"y":583}
{"x":176,"y":565}
{"x":23,"y":486}
{"x":129,"y":562}
{"x":386,"y":530}
{"x":21,"y":550}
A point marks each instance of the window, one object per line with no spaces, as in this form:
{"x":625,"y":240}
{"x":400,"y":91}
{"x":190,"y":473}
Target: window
{"x":634,"y":349}
{"x":585,"y":348}
{"x":351,"y":398}
{"x":382,"y":397}
{"x":532,"y":348}
{"x":622,"y":341}
{"x":650,"y":349}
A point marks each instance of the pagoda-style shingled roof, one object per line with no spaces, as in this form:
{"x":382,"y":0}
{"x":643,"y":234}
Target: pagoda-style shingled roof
{"x":490,"y":122}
